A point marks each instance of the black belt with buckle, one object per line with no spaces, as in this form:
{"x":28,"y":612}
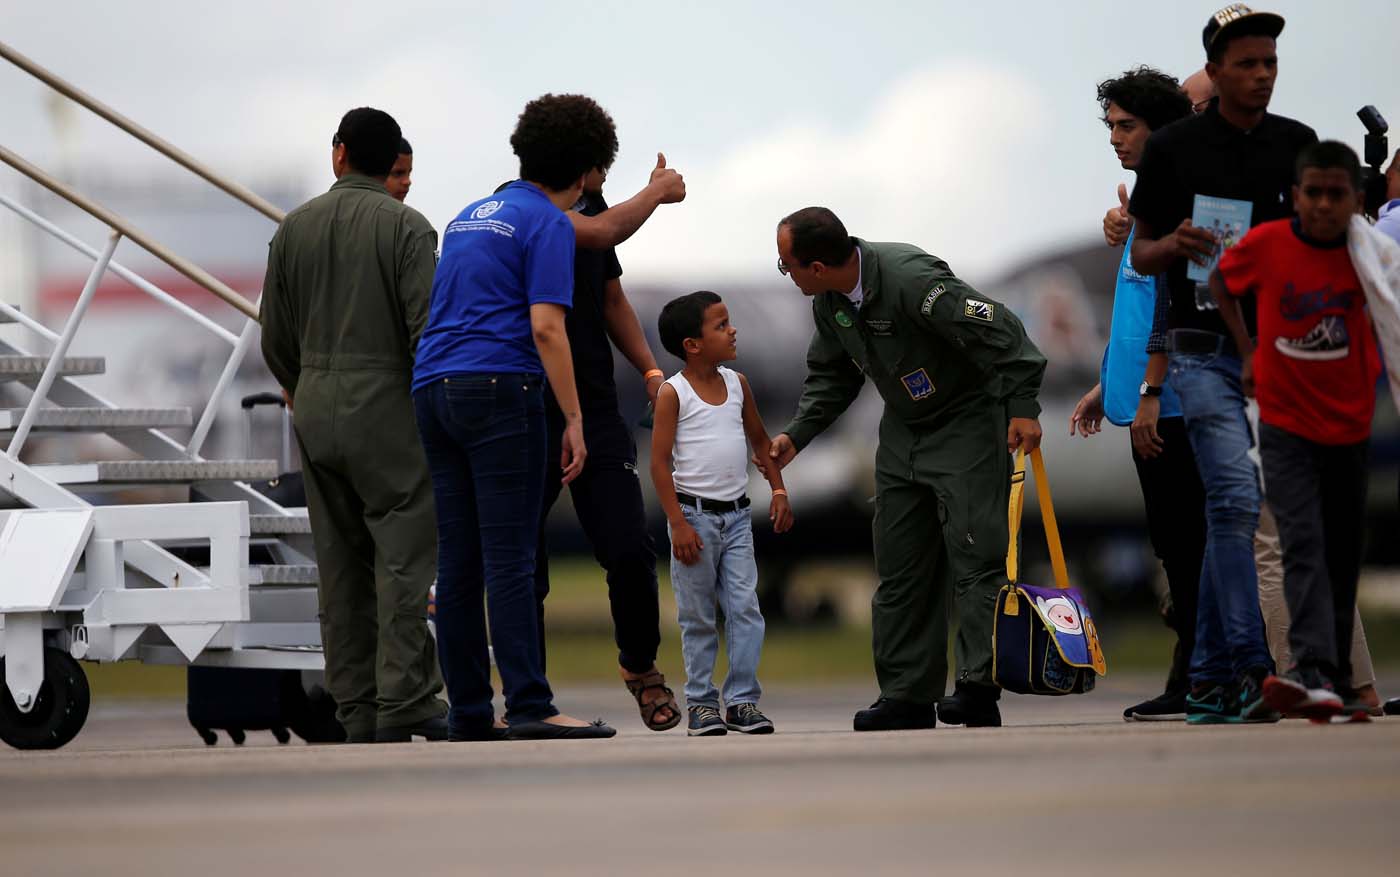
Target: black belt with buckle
{"x":712,"y":505}
{"x":1200,"y":342}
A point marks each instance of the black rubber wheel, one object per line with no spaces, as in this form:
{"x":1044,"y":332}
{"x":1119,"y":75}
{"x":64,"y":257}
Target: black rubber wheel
{"x":208,"y":736}
{"x":281,"y":735}
{"x":237,"y":736}
{"x":59,"y":711}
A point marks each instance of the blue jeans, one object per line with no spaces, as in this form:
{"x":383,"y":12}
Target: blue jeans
{"x":1229,"y":629}
{"x":725,"y":575}
{"x":484,"y":438}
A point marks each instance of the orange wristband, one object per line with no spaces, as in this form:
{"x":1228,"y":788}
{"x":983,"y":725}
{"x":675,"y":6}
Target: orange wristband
{"x":653,"y":373}
{"x":779,"y":491}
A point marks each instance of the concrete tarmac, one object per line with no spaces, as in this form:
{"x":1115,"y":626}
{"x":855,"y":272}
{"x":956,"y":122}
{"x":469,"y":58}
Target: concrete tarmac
{"x":1067,"y":787}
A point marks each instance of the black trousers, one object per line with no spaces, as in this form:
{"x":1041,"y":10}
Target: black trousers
{"x":1176,"y":525}
{"x":607,"y":498}
{"x":1318,"y":495}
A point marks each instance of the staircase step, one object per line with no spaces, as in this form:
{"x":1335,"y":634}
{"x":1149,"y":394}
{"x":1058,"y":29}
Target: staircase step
{"x":159,"y":471}
{"x":279,"y":525}
{"x":285,"y":574}
{"x":16,"y":368}
{"x":98,"y":419}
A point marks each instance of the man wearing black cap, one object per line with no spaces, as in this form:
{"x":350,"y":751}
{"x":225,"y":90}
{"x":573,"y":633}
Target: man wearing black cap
{"x":1234,"y":149}
{"x":349,"y":276}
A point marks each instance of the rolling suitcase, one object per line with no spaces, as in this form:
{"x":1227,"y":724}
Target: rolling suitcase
{"x":240,"y":699}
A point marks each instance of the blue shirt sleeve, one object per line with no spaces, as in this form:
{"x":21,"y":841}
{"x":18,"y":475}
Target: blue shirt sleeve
{"x":549,"y":263}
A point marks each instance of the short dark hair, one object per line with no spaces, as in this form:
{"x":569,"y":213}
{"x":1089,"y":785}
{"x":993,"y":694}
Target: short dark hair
{"x":1149,"y":94}
{"x":371,"y":138}
{"x":1329,"y":155}
{"x":1246,"y":27}
{"x":818,"y":236}
{"x":684,"y":318}
{"x":561,"y":137}
{"x":405,"y":148}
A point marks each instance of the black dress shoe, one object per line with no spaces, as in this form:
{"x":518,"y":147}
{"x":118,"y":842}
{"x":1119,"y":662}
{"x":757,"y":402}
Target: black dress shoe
{"x":431,"y":729}
{"x":895,"y":715}
{"x":551,"y":731}
{"x":972,"y":706}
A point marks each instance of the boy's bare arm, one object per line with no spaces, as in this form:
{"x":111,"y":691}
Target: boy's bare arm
{"x":685,"y":542}
{"x":779,"y":507}
{"x":1229,"y":307}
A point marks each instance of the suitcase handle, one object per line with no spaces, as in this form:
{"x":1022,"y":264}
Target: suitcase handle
{"x":253,"y":401}
{"x":1047,"y":515}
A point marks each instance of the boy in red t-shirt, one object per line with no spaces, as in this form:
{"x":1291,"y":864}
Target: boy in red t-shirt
{"x":1314,"y":372}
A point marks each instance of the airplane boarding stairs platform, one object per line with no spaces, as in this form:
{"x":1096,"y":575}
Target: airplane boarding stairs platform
{"x":169,"y":581}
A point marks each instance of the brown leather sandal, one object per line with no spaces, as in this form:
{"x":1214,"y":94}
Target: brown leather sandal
{"x":649,"y":680}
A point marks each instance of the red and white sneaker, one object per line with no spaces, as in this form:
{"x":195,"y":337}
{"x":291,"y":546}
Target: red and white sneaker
{"x":1302,"y":693}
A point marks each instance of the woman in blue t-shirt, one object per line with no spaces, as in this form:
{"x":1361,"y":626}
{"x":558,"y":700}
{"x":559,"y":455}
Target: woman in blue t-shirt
{"x":495,"y":330}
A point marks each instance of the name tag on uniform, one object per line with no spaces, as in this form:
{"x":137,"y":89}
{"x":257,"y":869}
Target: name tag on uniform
{"x":918,"y":385}
{"x":883,"y":328}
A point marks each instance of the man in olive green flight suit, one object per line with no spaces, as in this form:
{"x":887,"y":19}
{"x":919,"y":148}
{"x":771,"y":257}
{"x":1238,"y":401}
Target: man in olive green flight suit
{"x":349,"y":275}
{"x":959,"y":379}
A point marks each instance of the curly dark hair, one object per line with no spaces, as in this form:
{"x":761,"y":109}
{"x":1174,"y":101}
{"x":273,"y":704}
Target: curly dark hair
{"x":561,"y":137}
{"x":1149,"y":94}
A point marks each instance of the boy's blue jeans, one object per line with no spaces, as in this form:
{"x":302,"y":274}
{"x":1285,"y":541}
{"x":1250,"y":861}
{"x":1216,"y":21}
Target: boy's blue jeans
{"x":1229,"y":629}
{"x":725,"y":576}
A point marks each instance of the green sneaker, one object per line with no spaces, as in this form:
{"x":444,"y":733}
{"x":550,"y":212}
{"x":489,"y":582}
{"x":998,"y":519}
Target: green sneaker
{"x":1209,"y":704}
{"x":1248,"y":699}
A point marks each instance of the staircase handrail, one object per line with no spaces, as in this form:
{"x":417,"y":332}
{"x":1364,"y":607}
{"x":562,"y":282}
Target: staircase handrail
{"x":180,"y":157}
{"x":190,"y":270}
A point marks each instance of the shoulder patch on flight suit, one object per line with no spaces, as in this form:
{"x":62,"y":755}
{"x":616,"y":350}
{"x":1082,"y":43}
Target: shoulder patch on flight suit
{"x":927,"y":307}
{"x":979,"y":310}
{"x":918,"y":385}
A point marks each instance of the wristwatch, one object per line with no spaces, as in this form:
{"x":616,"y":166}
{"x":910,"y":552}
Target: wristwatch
{"x":1148,"y":390}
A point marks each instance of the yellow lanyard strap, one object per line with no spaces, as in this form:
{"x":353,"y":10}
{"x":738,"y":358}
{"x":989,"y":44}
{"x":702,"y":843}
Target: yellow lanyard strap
{"x":1047,"y":515}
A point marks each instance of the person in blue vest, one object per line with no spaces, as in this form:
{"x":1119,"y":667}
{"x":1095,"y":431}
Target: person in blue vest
{"x":1134,"y":105}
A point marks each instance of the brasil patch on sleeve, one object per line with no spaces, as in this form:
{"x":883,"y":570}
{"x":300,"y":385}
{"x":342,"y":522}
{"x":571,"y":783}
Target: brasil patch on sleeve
{"x":918,"y":385}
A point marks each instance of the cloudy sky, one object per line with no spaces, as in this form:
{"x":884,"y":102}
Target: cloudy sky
{"x":968,"y":128}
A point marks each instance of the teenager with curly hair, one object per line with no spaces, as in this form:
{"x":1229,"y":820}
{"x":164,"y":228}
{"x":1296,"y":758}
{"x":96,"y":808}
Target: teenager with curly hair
{"x":495,"y":331}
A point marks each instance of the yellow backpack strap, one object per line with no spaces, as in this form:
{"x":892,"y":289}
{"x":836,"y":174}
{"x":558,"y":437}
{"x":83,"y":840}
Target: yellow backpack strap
{"x":1047,"y":514}
{"x":1013,"y":514}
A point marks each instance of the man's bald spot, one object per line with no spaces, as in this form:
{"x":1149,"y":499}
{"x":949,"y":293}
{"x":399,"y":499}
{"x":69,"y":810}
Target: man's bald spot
{"x":1198,"y":87}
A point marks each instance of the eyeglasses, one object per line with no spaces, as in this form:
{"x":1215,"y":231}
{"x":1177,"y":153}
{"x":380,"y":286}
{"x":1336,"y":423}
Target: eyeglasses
{"x":782,"y":268}
{"x":335,"y":139}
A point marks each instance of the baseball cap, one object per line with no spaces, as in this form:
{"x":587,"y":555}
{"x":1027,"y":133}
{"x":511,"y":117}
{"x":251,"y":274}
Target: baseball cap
{"x":1236,"y":17}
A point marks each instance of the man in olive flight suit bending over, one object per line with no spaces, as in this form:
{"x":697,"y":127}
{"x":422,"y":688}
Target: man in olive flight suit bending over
{"x":959,"y":379}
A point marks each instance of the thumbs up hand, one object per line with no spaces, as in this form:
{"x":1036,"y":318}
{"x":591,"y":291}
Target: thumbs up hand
{"x":668,"y":183}
{"x":1116,"y":222}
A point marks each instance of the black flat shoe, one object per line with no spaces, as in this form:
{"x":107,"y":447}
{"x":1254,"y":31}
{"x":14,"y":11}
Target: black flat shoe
{"x":895,"y":715}
{"x":431,"y":729}
{"x":551,"y":731}
{"x":476,"y":735}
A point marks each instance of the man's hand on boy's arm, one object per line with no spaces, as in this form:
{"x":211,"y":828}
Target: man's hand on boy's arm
{"x":685,"y":542}
{"x":779,"y":508}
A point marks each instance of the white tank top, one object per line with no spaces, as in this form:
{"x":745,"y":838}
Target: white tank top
{"x":711,"y":456}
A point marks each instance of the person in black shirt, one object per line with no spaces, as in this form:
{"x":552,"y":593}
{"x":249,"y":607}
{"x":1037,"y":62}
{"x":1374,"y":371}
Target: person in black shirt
{"x":1234,"y":149}
{"x":607,"y":494}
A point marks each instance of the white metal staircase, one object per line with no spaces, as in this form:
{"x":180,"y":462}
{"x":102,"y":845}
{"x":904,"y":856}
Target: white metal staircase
{"x":80,"y":579}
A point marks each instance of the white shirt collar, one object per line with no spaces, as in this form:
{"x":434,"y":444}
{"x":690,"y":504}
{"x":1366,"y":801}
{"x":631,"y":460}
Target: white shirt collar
{"x":857,"y":295}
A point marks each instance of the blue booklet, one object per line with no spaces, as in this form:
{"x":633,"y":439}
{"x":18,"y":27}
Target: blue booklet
{"x":1227,"y":219}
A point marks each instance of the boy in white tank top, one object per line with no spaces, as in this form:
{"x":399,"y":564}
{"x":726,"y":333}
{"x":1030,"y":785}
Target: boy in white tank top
{"x":705,"y":425}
